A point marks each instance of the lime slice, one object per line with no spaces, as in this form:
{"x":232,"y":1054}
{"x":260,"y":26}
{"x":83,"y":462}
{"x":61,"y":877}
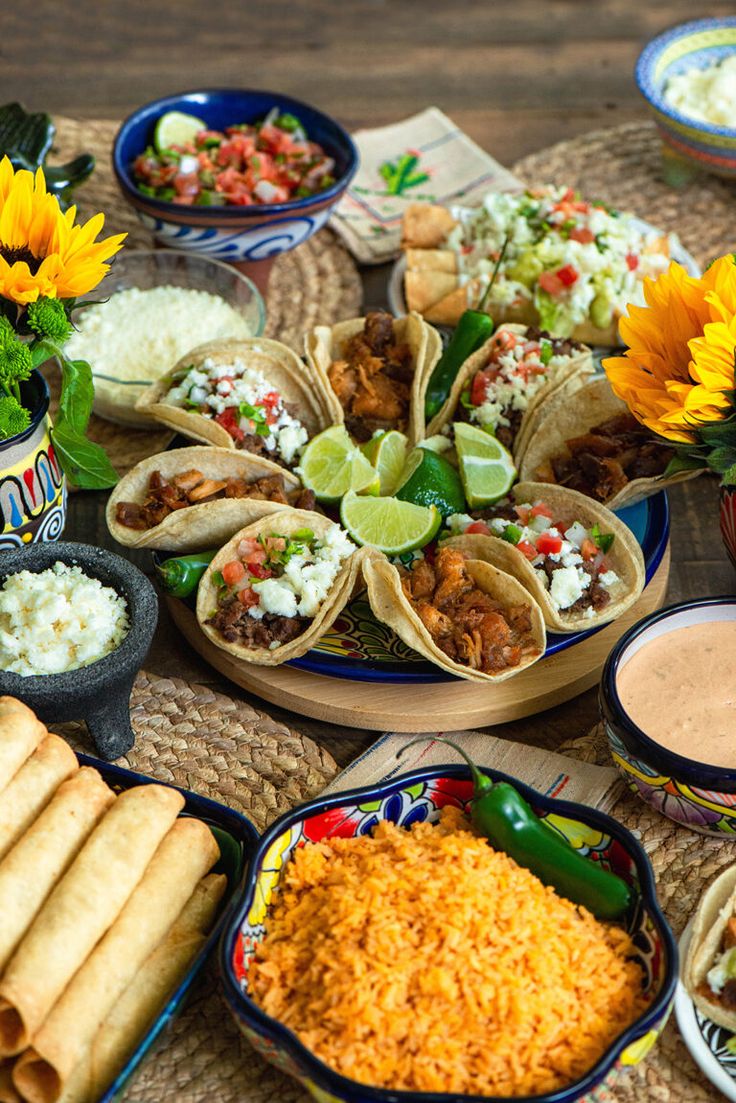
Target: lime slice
{"x":176,"y":129}
{"x":387,"y":453}
{"x":332,"y":464}
{"x":431,"y":480}
{"x":392,"y":526}
{"x":486,"y":467}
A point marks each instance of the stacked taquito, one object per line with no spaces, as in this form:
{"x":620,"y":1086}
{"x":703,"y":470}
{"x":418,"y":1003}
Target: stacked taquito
{"x":105,"y":900}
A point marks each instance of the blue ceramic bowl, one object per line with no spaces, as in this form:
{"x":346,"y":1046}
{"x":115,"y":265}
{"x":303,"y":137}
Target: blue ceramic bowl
{"x":405,"y":800}
{"x":691,"y":45}
{"x":692,"y":793}
{"x":235,"y":234}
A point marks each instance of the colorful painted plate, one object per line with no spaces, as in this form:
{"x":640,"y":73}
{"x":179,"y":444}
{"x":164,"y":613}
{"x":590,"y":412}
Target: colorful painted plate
{"x":705,"y":1040}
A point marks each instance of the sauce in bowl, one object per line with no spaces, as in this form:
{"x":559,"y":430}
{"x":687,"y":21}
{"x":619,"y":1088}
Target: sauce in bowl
{"x":679,"y":688}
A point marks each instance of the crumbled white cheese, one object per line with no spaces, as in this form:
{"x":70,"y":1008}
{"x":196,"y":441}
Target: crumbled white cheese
{"x":565,"y":587}
{"x":707,"y":95}
{"x":458,"y":522}
{"x":306,"y":580}
{"x":608,"y":579}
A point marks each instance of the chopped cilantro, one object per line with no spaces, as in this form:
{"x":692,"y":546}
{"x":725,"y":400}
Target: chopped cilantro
{"x":545,"y":353}
{"x":602,"y":540}
{"x":257,"y":415}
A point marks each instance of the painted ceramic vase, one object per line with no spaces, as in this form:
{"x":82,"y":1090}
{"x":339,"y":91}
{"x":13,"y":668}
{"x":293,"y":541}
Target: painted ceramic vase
{"x":32,"y":485}
{"x":728,"y":521}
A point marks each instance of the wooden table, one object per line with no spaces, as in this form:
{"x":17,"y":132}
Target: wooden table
{"x":515,"y":74}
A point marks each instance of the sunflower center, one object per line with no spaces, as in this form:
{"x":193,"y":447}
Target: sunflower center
{"x":13,"y":256}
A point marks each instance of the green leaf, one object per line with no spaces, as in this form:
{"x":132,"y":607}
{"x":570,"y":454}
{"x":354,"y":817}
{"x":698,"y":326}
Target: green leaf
{"x":681,"y":461}
{"x":84,"y":463}
{"x":721,"y":458}
{"x":77,"y":393}
{"x":729,"y":476}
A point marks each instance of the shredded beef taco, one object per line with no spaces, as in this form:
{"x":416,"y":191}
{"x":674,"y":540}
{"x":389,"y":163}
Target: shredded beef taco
{"x":594,"y":445}
{"x":191,"y":498}
{"x":466,"y":616}
{"x":576,"y":558}
{"x":277,"y":586}
{"x":504,"y":384}
{"x":709,"y":969}
{"x":376,"y":368}
{"x":253,"y":395}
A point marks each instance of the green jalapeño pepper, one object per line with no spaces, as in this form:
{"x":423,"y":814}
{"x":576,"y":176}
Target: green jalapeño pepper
{"x":179,"y":577}
{"x":500,"y":813}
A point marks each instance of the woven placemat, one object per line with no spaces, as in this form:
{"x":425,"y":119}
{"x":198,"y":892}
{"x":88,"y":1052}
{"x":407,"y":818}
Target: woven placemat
{"x":316,"y":283}
{"x":622,"y":166}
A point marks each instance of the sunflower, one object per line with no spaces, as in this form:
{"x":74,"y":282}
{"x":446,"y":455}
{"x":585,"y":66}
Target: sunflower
{"x":42,"y":251}
{"x":678,"y":370}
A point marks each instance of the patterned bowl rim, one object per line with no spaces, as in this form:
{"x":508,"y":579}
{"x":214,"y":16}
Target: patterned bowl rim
{"x":648,"y":58}
{"x":700,"y":774}
{"x":156,"y":108}
{"x":244,"y":1008}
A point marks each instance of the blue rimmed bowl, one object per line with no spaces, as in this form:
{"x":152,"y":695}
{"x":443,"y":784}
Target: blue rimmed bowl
{"x":404,"y":800}
{"x":697,"y":795}
{"x":695,"y":45}
{"x":251,"y":237}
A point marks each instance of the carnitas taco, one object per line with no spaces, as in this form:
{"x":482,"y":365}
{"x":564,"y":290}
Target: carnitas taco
{"x":191,"y":498}
{"x":277,"y":586}
{"x":253,"y":395}
{"x":594,"y":445}
{"x":569,"y":266}
{"x":377,"y":368}
{"x":504,"y":384}
{"x":709,"y":969}
{"x":577,"y":559}
{"x":466,"y":616}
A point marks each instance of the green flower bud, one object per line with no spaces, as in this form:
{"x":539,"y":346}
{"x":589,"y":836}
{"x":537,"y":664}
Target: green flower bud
{"x":15,"y":361}
{"x":48,"y":318}
{"x":13,"y":418}
{"x":7,"y":333}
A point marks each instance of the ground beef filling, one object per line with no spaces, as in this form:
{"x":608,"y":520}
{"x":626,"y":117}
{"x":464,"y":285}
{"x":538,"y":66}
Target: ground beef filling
{"x":373,"y":379}
{"x":236,"y":625}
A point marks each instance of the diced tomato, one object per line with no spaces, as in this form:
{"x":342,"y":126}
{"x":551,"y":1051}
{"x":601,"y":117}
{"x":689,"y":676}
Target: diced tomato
{"x":567,"y":275}
{"x":568,"y":197}
{"x":465,"y":249}
{"x":551,"y":283}
{"x":232,"y":572}
{"x":522,"y":512}
{"x":479,"y":527}
{"x":527,"y":549}
{"x":540,"y":510}
{"x":275,"y":543}
{"x":479,"y":388}
{"x":228,"y":419}
{"x":582,"y":234}
{"x":588,"y":549}
{"x":271,"y":399}
{"x":256,"y":557}
{"x":548,"y":545}
{"x":258,"y":570}
{"x":633,"y":261}
{"x":248,"y":597}
{"x":247,"y":547}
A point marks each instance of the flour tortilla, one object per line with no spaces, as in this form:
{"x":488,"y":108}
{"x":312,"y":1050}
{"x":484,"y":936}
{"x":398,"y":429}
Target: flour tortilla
{"x":324,"y":344}
{"x":208,"y":524}
{"x":391,"y":606}
{"x":625,"y":556}
{"x":279,"y":364}
{"x":287,"y":522}
{"x":717,"y":905}
{"x":561,"y":420}
{"x":570,"y":374}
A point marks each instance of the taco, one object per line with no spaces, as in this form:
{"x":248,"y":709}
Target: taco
{"x":272,"y":591}
{"x":569,"y":266}
{"x":594,"y":445}
{"x":466,"y":616}
{"x":709,"y":968}
{"x":502,"y":386}
{"x":576,"y":558}
{"x":191,"y":498}
{"x":253,"y":395}
{"x":377,"y":368}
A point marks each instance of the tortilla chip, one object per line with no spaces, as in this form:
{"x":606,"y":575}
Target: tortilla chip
{"x":426,"y":225}
{"x":391,"y":606}
{"x":625,"y":556}
{"x":717,"y":905}
{"x":432,"y":260}
{"x":287,"y":522}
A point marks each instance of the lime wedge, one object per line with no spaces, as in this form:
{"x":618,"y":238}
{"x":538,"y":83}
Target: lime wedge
{"x":392,"y":526}
{"x":387,"y":453}
{"x":431,"y":480}
{"x":176,"y":129}
{"x":332,"y":464}
{"x":486,"y":467}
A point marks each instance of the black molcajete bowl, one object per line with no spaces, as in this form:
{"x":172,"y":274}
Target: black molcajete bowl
{"x":98,"y":693}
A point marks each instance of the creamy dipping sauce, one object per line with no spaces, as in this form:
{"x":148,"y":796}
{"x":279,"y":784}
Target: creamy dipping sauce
{"x":680,"y":689}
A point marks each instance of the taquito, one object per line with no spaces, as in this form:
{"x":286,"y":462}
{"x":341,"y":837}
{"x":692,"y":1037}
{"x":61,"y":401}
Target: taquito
{"x":40,"y":858}
{"x":20,"y":734}
{"x":32,"y":787}
{"x":81,"y":908}
{"x":8,"y":1094}
{"x":186,"y":854}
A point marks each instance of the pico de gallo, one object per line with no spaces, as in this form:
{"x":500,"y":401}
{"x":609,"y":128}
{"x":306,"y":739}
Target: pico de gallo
{"x":270,"y":161}
{"x":569,"y":557}
{"x":245,"y":404}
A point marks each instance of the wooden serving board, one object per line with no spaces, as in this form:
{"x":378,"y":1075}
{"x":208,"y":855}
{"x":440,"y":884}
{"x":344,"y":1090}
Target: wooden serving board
{"x":435,"y":706}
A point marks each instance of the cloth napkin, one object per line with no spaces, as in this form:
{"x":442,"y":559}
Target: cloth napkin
{"x":550,"y":773}
{"x":425,"y":158}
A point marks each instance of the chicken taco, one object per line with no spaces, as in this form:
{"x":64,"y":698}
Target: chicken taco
{"x":377,"y":368}
{"x":277,"y":586}
{"x":253,"y":395}
{"x":192,"y":498}
{"x":576,"y":558}
{"x":466,"y":616}
{"x":709,"y":969}
{"x":595,"y":446}
{"x":503,"y":385}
